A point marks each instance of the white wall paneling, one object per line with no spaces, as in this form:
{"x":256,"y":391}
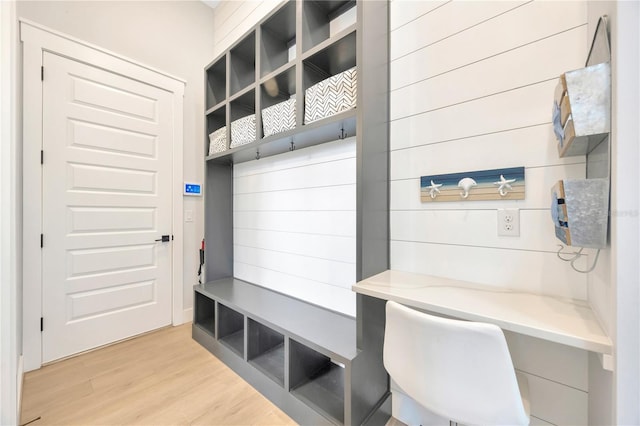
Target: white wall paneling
{"x":523,"y":270}
{"x":471,"y":89}
{"x":532,"y":22}
{"x":567,"y":365}
{"x":531,"y":147}
{"x":402,"y":12}
{"x":507,"y":71}
{"x":514,"y":109}
{"x":473,"y":228}
{"x":444,"y":22}
{"x":336,"y":223}
{"x":233,"y":18}
{"x":295,"y":221}
{"x":556,"y":403}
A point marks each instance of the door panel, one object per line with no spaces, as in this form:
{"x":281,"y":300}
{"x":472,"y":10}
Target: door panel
{"x":107,"y":142}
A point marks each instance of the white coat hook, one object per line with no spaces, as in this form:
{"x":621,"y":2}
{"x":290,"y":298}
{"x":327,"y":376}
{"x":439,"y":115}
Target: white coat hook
{"x":434,"y":189}
{"x":466,"y":184}
{"x":504,"y":185}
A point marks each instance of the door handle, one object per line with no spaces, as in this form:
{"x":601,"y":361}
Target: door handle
{"x":164,"y":238}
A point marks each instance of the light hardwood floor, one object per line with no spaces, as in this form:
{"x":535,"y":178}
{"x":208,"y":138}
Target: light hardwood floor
{"x":161,"y":378}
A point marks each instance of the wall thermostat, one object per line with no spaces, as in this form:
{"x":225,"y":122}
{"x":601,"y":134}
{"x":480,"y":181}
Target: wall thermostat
{"x":192,"y":189}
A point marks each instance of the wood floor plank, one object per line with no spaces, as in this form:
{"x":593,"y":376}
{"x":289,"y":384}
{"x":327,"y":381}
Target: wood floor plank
{"x":160,"y":378}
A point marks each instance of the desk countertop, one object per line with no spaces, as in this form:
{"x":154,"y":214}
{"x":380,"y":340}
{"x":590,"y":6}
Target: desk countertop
{"x":565,"y":321}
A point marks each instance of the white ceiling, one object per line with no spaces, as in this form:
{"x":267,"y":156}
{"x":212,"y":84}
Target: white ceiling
{"x":211,"y":3}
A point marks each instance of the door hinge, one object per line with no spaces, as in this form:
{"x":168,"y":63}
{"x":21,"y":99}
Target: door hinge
{"x":41,"y":324}
{"x":42,"y":73}
{"x":41,"y":156}
{"x":41,"y":240}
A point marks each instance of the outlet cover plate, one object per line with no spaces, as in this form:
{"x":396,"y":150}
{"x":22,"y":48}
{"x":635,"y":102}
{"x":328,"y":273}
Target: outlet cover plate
{"x":509,"y":222}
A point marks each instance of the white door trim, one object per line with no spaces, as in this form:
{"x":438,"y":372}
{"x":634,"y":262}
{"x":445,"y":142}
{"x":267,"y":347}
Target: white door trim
{"x":35,"y":40}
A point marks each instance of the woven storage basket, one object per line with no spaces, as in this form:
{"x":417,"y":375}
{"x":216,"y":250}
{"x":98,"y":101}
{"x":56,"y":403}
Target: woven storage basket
{"x":243,"y":130}
{"x":330,"y":96}
{"x":218,"y":141}
{"x":279,"y":117}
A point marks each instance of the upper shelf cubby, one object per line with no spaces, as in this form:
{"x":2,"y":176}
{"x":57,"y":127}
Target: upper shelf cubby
{"x":278,"y":44}
{"x":242,"y":64}
{"x":337,"y":57}
{"x":217,"y":82}
{"x":323,"y":19}
{"x":278,"y":88}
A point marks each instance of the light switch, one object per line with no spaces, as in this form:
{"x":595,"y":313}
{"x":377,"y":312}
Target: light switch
{"x":188,"y":215}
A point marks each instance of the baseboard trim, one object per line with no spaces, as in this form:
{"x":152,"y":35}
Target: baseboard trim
{"x":187,"y":315}
{"x":20,"y":382}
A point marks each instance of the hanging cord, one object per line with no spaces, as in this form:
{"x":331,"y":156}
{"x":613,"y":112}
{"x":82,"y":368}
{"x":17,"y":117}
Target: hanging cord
{"x":574,"y":257}
{"x":201,"y":262}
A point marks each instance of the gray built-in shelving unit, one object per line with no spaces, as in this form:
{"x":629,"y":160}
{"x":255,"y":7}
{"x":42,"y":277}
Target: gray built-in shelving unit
{"x":319,"y":366}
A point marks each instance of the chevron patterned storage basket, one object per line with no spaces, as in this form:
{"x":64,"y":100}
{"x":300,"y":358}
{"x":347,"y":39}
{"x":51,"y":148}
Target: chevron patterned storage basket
{"x":330,"y":96}
{"x":243,"y":130}
{"x":279,"y":117}
{"x":218,"y":141}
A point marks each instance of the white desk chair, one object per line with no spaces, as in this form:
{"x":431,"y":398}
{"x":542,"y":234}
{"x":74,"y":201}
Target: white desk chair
{"x":459,"y":370}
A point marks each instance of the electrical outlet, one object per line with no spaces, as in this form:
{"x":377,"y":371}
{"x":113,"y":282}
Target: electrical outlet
{"x":509,"y":222}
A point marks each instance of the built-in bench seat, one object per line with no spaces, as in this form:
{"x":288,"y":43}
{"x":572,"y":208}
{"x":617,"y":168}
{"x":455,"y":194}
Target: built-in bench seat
{"x":300,"y":356}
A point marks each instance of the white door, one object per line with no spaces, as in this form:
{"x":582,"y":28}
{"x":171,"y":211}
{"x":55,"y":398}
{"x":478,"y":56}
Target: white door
{"x":107,"y":143}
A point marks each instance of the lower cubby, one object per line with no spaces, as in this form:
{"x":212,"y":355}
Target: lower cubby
{"x":265,"y":351}
{"x":300,"y":356}
{"x":231,"y":329}
{"x":317,"y":380}
{"x":205,"y":313}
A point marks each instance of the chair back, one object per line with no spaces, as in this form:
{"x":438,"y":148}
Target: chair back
{"x":459,"y":370}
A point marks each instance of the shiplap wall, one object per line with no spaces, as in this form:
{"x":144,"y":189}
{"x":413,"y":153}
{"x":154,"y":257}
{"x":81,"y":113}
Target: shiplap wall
{"x":295,"y":224}
{"x":233,"y":18}
{"x":471,"y":89}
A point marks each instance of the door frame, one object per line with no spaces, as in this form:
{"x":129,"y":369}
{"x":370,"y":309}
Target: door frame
{"x":37,"y":39}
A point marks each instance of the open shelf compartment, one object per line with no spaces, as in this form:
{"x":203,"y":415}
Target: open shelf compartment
{"x":334,"y":59}
{"x":216,"y":120}
{"x":278,"y":39}
{"x":205,"y":313}
{"x":323,"y":19}
{"x":242,"y":67}
{"x":316,"y":380}
{"x":231,"y":329}
{"x":265,"y":350}
{"x":217,"y":82}
{"x":278,"y":88}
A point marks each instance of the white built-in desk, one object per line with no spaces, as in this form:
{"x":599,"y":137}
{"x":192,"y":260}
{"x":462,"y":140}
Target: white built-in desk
{"x":559,"y":320}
